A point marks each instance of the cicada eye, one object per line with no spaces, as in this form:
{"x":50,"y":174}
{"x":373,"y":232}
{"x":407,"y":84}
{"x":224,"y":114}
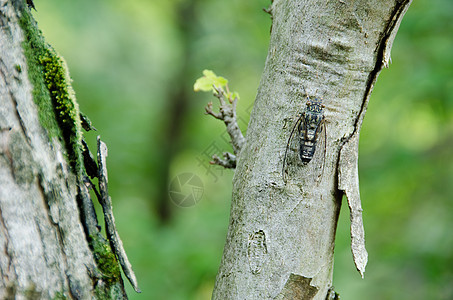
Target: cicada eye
{"x":308,"y":103}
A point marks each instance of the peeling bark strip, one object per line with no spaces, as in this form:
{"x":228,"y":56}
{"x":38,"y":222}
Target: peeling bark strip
{"x":332,"y":50}
{"x":348,"y":177}
{"x":106,"y":203}
{"x":348,"y":181}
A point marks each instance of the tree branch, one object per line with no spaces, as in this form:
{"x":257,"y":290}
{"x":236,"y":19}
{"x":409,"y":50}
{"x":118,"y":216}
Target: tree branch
{"x":227,"y":113}
{"x":229,"y":162}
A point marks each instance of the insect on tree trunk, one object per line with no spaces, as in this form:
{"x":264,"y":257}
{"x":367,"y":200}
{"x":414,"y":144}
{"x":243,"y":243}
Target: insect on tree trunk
{"x":281,"y":236}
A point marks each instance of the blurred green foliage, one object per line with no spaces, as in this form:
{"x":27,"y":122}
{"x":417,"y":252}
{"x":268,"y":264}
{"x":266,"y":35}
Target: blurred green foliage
{"x":134,"y":64}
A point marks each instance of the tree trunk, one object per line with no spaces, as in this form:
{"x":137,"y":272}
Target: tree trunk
{"x":49,"y":238}
{"x":281,"y":236}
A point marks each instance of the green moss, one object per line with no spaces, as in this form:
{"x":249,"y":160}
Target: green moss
{"x":66,"y":108}
{"x":59,"y":296}
{"x":52,"y":91}
{"x":105,"y":260}
{"x":33,"y":46}
{"x":110,"y":286}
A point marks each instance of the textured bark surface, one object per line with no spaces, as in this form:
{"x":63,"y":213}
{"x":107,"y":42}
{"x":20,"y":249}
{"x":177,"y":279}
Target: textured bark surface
{"x":43,"y":246}
{"x":281,"y":236}
{"x":44,"y":251}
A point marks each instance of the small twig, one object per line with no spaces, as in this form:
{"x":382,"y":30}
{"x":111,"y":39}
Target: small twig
{"x":268,"y":10}
{"x":229,"y":94}
{"x":209,"y":111}
{"x":220,"y":94}
{"x":227,"y":113}
{"x":110,"y":227}
{"x":229,"y":162}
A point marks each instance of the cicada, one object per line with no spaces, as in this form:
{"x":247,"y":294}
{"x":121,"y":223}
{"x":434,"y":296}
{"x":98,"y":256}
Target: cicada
{"x":309,"y":125}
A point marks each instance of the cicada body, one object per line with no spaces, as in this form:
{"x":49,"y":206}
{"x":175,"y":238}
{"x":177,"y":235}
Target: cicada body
{"x":309,"y":128}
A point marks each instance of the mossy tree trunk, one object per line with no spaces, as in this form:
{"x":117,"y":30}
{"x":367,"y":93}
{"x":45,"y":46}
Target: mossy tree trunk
{"x":281,"y":236}
{"x":50,"y":245}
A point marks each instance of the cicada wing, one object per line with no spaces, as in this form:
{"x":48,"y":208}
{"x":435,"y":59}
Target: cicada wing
{"x":291,"y":144}
{"x":319,"y":158}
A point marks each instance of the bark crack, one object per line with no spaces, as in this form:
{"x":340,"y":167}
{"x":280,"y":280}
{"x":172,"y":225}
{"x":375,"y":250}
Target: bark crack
{"x":382,"y":58}
{"x":21,"y":122}
{"x":13,"y":99}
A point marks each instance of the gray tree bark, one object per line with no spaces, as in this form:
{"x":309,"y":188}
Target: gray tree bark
{"x":50,"y":244}
{"x":281,"y":236}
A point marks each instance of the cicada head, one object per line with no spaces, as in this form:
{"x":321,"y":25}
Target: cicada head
{"x":315,"y":105}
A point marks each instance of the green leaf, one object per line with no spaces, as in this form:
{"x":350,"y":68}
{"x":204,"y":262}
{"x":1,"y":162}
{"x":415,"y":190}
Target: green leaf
{"x":235,"y":95}
{"x":207,"y":82}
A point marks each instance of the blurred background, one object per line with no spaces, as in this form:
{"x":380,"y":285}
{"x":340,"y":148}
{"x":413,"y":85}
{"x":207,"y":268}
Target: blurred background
{"x":134,"y":64}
